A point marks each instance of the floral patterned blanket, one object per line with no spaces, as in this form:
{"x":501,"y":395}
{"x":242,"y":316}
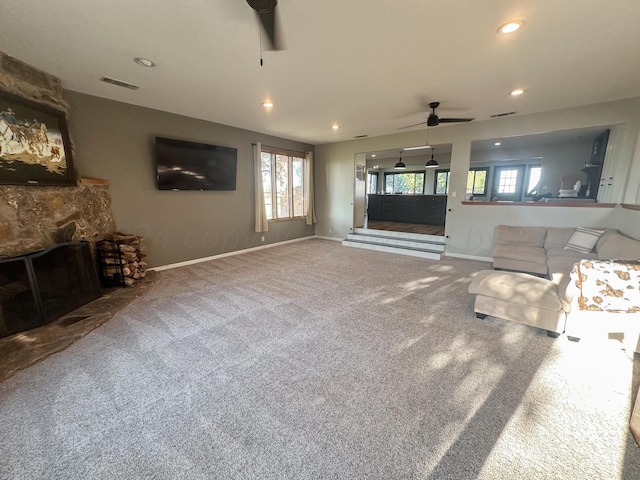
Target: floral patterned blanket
{"x":608,"y":285}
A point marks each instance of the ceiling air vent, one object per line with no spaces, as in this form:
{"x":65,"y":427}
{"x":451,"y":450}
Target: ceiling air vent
{"x":119,"y":83}
{"x":505,"y":114}
{"x":360,"y":136}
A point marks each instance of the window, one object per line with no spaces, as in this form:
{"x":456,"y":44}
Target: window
{"x":533,"y":183}
{"x":441,"y":182}
{"x":508,"y":180}
{"x":406,"y":182}
{"x":477,"y":181}
{"x":372,"y":182}
{"x":283,"y":184}
{"x":508,"y":183}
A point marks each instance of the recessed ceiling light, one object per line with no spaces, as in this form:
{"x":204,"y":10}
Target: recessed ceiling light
{"x":335,"y":126}
{"x":497,"y":144}
{"x":373,"y":155}
{"x":510,"y":27}
{"x":267,"y":104}
{"x":516,"y":92}
{"x":145,"y":62}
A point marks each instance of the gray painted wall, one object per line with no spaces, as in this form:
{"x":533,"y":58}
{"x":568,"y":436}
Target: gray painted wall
{"x":334,"y":166}
{"x":115,"y":141}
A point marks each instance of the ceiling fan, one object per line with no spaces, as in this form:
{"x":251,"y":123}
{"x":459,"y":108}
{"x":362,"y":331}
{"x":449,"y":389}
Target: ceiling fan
{"x":433,"y":120}
{"x":266,"y":11}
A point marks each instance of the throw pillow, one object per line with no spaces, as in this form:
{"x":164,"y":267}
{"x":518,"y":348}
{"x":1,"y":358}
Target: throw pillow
{"x":583,"y":239}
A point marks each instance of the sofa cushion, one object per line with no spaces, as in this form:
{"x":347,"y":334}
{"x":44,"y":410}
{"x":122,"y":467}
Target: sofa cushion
{"x":517,"y":288}
{"x":522,"y":253}
{"x":583,"y":239}
{"x":557,"y":237}
{"x":523,"y":236}
{"x":565,"y":252}
{"x":605,"y":236}
{"x":619,"y":247}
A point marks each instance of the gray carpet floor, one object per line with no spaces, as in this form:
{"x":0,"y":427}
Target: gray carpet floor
{"x":316,"y":361}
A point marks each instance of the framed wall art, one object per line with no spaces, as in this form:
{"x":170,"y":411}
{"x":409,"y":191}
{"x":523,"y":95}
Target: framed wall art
{"x":34,"y":144}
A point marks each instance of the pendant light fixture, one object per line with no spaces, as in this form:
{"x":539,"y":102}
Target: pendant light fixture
{"x":431,"y":163}
{"x":400,"y":165}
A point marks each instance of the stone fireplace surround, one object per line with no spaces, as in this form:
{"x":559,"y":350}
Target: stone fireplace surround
{"x":33,"y":218}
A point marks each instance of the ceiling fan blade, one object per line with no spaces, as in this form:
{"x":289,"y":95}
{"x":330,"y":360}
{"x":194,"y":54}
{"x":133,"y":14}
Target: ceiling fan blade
{"x":269,"y":22}
{"x":414,"y":125}
{"x":266,"y":11}
{"x":455,"y":120}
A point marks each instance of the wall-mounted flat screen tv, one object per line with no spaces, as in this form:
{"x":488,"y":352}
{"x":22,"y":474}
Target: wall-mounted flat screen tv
{"x":195,"y":166}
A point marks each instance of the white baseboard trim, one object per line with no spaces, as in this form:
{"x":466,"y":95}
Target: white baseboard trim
{"x":469,"y":257}
{"x":335,"y":239}
{"x":228,"y":254}
{"x":284,"y":242}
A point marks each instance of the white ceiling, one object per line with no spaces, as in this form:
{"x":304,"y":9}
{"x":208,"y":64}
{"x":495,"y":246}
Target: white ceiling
{"x":368,"y":65}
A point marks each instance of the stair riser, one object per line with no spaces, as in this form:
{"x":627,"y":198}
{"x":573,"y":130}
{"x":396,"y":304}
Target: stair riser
{"x":403,"y":235}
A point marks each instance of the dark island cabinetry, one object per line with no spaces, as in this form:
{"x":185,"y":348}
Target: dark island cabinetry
{"x":426,"y":209}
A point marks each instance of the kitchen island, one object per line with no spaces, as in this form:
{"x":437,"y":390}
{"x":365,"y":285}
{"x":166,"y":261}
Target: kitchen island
{"x":425,"y":209}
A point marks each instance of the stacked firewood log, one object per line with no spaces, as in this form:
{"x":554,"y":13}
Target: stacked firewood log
{"x":122,"y":258}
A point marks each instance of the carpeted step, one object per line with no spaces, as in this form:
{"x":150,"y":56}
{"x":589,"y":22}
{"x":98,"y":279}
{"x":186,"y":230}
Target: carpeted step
{"x":421,"y":252}
{"x":399,"y":241}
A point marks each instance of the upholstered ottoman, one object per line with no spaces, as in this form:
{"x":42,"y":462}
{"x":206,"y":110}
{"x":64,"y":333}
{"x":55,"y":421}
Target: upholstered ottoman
{"x":521,"y":298}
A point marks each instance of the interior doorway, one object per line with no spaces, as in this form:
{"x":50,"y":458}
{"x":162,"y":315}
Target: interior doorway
{"x":414,"y":182}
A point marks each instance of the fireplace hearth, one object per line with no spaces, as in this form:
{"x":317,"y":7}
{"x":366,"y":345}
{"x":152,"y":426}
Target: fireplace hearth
{"x":37,"y":288}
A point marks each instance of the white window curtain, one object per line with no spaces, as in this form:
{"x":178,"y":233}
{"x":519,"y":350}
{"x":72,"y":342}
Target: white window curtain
{"x":262,"y":225}
{"x":310,"y":214}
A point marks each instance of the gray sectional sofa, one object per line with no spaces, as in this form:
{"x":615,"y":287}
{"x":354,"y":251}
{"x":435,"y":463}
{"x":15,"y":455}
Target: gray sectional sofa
{"x":548,"y":299}
{"x":593,"y":294}
{"x":543,"y":251}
